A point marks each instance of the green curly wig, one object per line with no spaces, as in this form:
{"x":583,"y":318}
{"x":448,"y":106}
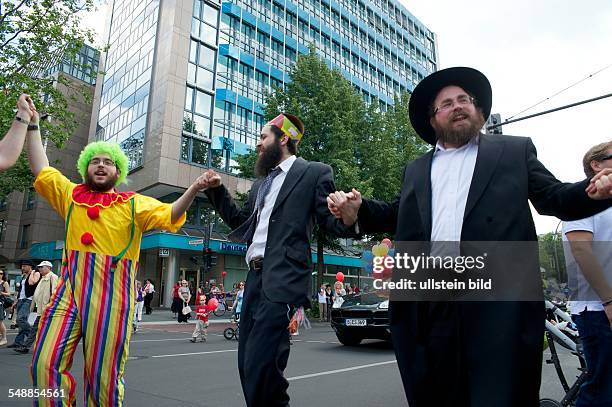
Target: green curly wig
{"x":103,"y":147}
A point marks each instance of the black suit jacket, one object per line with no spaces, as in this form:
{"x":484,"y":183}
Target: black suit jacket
{"x":300,"y":203}
{"x":501,"y":341}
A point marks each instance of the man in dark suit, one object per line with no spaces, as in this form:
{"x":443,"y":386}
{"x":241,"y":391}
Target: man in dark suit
{"x":276,"y":223}
{"x":470,"y":187}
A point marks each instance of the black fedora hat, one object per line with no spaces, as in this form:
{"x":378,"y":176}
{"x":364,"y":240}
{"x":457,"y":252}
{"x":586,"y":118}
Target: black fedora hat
{"x":469,"y":79}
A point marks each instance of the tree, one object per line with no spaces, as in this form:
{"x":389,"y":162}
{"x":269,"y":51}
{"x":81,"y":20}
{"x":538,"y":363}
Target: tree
{"x":35,"y":35}
{"x":364,"y":146}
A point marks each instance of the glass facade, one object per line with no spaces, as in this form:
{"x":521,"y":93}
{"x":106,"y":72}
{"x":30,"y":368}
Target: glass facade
{"x":83,"y":67}
{"x":127,"y":83}
{"x":377,"y":45}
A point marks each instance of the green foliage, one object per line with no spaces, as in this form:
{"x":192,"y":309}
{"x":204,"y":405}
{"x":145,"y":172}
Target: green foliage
{"x":34,"y":36}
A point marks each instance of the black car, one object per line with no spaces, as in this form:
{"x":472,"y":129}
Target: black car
{"x":361,"y":316}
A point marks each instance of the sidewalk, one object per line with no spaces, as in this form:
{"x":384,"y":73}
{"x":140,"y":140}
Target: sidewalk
{"x":163,"y":316}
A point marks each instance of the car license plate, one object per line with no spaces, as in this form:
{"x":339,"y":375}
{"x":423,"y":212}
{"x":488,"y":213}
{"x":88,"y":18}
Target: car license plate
{"x":356,"y":322}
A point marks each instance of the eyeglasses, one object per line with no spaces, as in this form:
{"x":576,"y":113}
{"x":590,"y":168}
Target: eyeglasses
{"x":106,"y":161}
{"x":606,"y":158}
{"x":448,"y":104}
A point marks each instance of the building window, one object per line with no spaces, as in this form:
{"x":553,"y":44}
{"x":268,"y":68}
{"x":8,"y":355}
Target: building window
{"x":30,"y":199}
{"x":25,"y":236}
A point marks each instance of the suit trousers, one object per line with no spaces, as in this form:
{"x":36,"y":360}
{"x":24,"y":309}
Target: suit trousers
{"x":263,"y":347}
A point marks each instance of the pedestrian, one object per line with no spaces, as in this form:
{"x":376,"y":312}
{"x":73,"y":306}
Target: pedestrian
{"x":40,"y":299}
{"x":338,"y":294}
{"x":185,"y":296}
{"x":29,"y":281}
{"x":238,"y":302}
{"x":589,"y":268}
{"x":149,"y":290}
{"x":322,"y":304}
{"x":6,"y":301}
{"x":329,"y":297}
{"x":470,"y":187}
{"x":95,"y":295}
{"x":200,"y":333}
{"x":177,"y":303}
{"x":276,"y":224}
{"x":140,"y":295}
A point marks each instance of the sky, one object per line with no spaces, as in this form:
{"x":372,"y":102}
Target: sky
{"x":529,"y":50}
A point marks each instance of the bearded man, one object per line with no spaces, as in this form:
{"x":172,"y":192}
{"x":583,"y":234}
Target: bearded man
{"x":94,"y":298}
{"x":276,"y":223}
{"x":471,"y":187}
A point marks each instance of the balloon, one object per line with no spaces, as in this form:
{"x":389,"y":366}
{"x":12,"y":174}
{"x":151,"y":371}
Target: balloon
{"x":340,"y":276}
{"x":213,"y":303}
{"x":391,"y":252}
{"x":380,"y":250}
{"x":377,"y":274}
{"x":387,"y":243}
{"x":367,"y":256}
{"x":223,"y":274}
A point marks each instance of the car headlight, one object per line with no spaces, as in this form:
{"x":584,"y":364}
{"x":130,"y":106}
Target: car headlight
{"x":384,"y":305}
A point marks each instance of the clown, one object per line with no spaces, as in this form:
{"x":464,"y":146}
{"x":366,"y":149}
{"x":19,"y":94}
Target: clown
{"x":94,"y":299}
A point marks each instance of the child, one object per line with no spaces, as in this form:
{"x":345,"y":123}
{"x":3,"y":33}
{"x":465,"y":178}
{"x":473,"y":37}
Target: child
{"x":201,"y":328}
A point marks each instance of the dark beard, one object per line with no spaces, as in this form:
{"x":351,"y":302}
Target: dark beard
{"x":268,"y":159}
{"x":463,"y":135}
{"x":104,"y":187}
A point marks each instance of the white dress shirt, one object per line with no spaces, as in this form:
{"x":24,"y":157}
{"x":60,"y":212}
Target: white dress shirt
{"x":258,"y":246}
{"x":451,"y":176}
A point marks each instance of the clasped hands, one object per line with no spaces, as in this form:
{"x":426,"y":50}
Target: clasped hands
{"x":345,"y":205}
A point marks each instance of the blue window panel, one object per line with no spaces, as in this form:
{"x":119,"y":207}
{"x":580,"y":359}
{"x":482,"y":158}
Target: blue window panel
{"x":226,"y":94}
{"x":245,"y":102}
{"x":249,"y":18}
{"x":262,"y":66}
{"x":315,"y":22}
{"x":325,"y":30}
{"x":277,"y":73}
{"x":292,"y":7}
{"x":276,"y":34}
{"x":231,"y":9}
{"x":303,"y":49}
{"x":287,"y":78}
{"x":291,"y":43}
{"x":264,"y":27}
{"x":260,"y":109}
{"x":247,"y":59}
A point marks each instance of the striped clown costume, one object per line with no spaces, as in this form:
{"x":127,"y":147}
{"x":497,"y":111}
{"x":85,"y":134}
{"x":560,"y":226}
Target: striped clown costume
{"x":94,"y":298}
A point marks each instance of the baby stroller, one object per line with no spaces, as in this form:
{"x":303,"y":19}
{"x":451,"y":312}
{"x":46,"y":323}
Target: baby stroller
{"x":232,"y":332}
{"x":561,"y":331}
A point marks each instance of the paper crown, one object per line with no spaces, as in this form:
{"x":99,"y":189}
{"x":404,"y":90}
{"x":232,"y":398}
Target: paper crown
{"x":282,"y":122}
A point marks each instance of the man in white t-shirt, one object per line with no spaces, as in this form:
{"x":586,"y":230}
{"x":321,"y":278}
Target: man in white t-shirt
{"x":149,"y":290}
{"x":589,"y":266}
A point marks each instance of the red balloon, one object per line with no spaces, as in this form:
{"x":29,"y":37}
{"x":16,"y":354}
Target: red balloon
{"x":377,"y":274}
{"x":223,"y":274}
{"x":387,"y":242}
{"x":213,"y":303}
{"x":340,"y":276}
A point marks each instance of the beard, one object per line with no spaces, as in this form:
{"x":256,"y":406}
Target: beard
{"x":101,"y":187}
{"x":268,"y":159}
{"x":462,"y":135}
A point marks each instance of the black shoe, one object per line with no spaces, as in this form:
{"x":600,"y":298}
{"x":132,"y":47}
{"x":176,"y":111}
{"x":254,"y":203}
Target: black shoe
{"x":14,"y":345}
{"x":22,"y":349}
{"x":13,"y":326}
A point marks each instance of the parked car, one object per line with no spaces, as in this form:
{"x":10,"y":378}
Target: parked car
{"x":361,"y":316}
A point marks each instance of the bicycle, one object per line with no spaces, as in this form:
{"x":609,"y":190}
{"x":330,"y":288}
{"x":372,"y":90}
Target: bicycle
{"x":560,"y":330}
{"x":223,"y":305}
{"x":230,"y":333}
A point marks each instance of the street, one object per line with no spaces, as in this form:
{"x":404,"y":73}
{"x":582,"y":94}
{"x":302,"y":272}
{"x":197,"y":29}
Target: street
{"x":165,"y":369}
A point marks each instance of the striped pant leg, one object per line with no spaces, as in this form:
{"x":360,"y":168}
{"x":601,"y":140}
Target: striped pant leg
{"x":107,"y":329}
{"x":58,"y":335}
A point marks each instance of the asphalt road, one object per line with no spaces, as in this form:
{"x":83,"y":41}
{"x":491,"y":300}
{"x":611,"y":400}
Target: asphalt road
{"x":165,"y":369}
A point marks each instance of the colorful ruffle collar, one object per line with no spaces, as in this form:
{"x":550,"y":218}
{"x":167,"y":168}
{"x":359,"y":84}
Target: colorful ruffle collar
{"x":82,"y":195}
